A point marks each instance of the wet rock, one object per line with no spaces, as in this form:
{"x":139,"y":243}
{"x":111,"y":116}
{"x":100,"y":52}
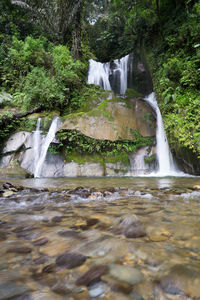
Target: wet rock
{"x":158,"y":238}
{"x":46,"y":295}
{"x":120,"y":287}
{"x":182,"y":278}
{"x":130,"y":226}
{"x":40,"y":241}
{"x":49,"y":268}
{"x":40,"y":260}
{"x":55,"y":249}
{"x":128,"y":220}
{"x":135,"y":232}
{"x":125,"y":274}
{"x":70,"y":260}
{"x":8,"y":194}
{"x":9,"y":186}
{"x":98,"y":289}
{"x":22,"y":228}
{"x":10,"y":289}
{"x":144,"y":290}
{"x":92,"y":275}
{"x":20,"y":250}
{"x":92,"y":222}
{"x":3,"y":236}
{"x":70,"y":234}
{"x":81,"y":192}
{"x":37,"y":208}
{"x":23,"y":297}
{"x":60,"y":288}
{"x":56,"y":219}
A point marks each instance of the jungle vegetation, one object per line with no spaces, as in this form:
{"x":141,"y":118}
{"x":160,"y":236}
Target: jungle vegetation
{"x":45,"y":46}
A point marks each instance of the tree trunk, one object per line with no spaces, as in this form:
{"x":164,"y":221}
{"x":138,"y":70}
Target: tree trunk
{"x":76,"y":36}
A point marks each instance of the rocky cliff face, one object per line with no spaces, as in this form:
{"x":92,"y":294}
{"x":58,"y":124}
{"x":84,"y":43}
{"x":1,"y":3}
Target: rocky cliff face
{"x":114,"y":119}
{"x":111,"y":119}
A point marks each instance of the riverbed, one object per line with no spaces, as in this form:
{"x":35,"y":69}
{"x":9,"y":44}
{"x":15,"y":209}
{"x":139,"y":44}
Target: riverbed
{"x":100,"y":238}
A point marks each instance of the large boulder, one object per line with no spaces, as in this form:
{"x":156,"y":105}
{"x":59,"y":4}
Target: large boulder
{"x":113,"y":120}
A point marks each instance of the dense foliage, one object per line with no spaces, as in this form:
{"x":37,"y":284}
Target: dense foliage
{"x":45,"y":45}
{"x":38,"y":73}
{"x":73,"y":140}
{"x":176,"y":71}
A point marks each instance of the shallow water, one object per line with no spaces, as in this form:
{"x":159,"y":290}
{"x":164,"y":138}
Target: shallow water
{"x":103,"y":182}
{"x":127,"y":238}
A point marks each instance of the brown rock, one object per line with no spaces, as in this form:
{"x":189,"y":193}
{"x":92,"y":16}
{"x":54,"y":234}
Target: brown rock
{"x":41,"y":241}
{"x":92,"y":275}
{"x":55,"y":249}
{"x":70,"y":260}
{"x":21,"y":250}
{"x":135,"y":232}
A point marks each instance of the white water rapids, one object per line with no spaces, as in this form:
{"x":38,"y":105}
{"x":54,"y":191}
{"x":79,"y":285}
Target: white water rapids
{"x":41,"y":148}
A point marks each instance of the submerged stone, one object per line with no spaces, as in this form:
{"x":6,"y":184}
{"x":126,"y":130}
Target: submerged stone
{"x":20,"y":250}
{"x":126,"y":274}
{"x":70,"y":260}
{"x":182,"y":278}
{"x":10,"y":289}
{"x":92,"y":275}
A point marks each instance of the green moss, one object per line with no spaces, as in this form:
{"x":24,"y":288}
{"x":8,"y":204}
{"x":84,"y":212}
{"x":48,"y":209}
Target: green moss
{"x":84,"y":158}
{"x":150,"y":159}
{"x":130,"y":94}
{"x":122,"y":157}
{"x":73,"y":140}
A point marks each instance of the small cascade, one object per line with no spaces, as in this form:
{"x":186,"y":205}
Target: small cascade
{"x":165,"y":160}
{"x":99,"y":74}
{"x":121,"y":67}
{"x":137,"y":160}
{"x":110,"y":76}
{"x":37,"y":141}
{"x":45,"y":145}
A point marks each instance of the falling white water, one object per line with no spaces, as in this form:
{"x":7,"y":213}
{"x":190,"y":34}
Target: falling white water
{"x":122,"y":68}
{"x":37,"y":141}
{"x":165,"y":160}
{"x":138,"y":165}
{"x":99,"y":74}
{"x":45,"y":145}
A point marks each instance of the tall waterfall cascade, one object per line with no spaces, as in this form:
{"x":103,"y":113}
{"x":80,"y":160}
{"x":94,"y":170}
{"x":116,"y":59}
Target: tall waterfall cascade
{"x":166,"y":164}
{"x":110,"y":77}
{"x":41,"y":147}
{"x":115,"y":77}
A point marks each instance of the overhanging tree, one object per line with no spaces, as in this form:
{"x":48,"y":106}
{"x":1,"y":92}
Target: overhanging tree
{"x":54,"y":18}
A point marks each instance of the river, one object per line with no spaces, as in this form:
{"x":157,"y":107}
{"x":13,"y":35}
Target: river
{"x":100,"y":238}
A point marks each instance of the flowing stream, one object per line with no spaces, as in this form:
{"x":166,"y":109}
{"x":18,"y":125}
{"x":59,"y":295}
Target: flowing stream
{"x":41,"y":154}
{"x":100,"y":238}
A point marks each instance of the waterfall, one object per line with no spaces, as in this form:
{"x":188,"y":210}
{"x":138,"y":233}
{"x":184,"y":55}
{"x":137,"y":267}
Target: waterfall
{"x":99,"y":74}
{"x":121,"y":67}
{"x":45,"y":145}
{"x":110,"y":78}
{"x":37,"y":141}
{"x":165,"y":160}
